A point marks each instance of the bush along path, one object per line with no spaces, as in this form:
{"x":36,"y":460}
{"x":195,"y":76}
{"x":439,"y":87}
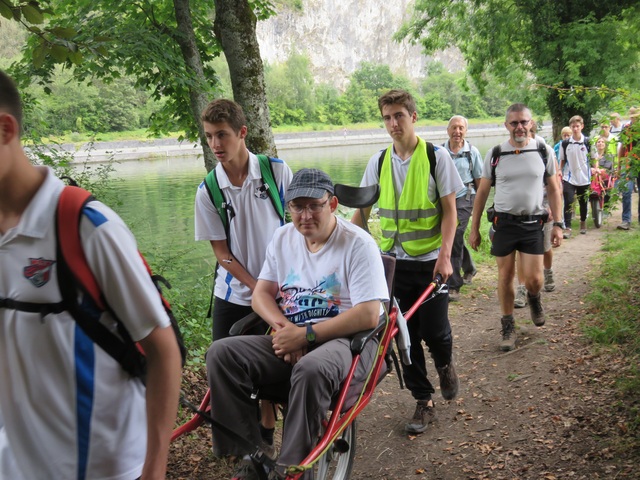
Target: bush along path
{"x":549,"y":409}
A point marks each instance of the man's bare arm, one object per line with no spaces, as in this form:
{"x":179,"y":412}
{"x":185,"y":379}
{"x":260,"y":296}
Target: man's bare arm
{"x":162,"y":394}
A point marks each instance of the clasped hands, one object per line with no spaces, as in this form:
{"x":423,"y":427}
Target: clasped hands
{"x":289,"y":342}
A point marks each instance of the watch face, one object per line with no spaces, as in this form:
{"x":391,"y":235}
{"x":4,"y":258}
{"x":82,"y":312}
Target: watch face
{"x":311,"y":335}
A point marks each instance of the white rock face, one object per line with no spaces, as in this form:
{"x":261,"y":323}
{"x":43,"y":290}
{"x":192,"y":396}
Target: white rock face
{"x":340,"y":34}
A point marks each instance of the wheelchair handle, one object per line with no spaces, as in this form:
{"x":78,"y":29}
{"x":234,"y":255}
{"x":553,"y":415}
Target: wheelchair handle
{"x":436,"y":283}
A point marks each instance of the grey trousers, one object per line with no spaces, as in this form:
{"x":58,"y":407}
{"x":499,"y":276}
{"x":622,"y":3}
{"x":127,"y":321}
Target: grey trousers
{"x":237,"y":365}
{"x":464,"y":208}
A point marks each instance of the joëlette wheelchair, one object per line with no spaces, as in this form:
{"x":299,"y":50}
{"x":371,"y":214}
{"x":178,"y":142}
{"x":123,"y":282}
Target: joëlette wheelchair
{"x":334,"y":454}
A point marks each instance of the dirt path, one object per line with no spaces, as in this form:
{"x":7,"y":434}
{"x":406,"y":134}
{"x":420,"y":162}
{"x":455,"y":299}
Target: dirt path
{"x":546,"y":410}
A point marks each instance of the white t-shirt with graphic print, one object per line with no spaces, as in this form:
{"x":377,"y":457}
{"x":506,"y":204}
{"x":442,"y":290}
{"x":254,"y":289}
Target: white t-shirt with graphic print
{"x":316,"y":286}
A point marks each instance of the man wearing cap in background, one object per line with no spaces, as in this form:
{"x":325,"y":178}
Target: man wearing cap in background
{"x":321,"y":283}
{"x":630,"y":130}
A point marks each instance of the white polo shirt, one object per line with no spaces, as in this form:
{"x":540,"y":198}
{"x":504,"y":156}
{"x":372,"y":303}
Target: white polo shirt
{"x":68,"y":410}
{"x":250,"y":229}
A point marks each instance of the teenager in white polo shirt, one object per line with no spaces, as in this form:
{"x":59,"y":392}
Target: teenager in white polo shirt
{"x":252,"y":220}
{"x":69,"y":410}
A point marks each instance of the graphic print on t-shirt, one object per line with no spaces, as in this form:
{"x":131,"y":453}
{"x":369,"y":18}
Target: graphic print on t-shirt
{"x":300,"y":304}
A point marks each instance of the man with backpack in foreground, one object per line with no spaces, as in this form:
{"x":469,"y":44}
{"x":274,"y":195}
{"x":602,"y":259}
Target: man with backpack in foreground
{"x":518,"y":168}
{"x":68,"y":408}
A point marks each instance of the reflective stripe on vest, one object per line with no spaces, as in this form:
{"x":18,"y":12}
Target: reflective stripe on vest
{"x":413,"y":219}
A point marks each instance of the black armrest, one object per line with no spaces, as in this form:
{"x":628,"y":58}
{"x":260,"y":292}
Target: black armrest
{"x":357,"y":197}
{"x":361,"y":338}
{"x":244,"y":324}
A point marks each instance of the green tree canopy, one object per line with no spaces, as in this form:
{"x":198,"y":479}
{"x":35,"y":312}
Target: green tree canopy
{"x":563,"y":44}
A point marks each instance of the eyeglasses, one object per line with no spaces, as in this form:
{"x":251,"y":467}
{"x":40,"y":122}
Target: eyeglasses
{"x":312,"y":207}
{"x":515,"y":124}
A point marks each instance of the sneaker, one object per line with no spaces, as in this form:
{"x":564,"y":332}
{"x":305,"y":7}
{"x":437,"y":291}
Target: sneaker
{"x":549,"y":282}
{"x":521,"y":297}
{"x":245,"y":471}
{"x":454,"y":295}
{"x":583,"y":228}
{"x":448,"y":381}
{"x":535,"y":307}
{"x":467,"y":279}
{"x":624,"y":226}
{"x":422,"y":417}
{"x":567,"y":234}
{"x":508,"y":334}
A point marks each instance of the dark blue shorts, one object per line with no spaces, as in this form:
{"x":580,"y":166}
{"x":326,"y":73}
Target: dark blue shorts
{"x":512,"y":235}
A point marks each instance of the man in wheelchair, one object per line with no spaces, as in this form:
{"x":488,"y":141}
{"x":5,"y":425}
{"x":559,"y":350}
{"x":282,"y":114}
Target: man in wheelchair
{"x":322,"y":282}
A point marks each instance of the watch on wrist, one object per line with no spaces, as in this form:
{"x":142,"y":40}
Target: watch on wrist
{"x":311,"y":335}
{"x":558,"y":224}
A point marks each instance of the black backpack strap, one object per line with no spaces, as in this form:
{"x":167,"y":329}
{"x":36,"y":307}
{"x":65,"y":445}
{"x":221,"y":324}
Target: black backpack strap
{"x":495,"y":158}
{"x":564,"y":145}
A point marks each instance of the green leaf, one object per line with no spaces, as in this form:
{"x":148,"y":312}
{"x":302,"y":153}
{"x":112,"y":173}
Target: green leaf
{"x":5,"y":11}
{"x":63,"y":32}
{"x":17,"y":14}
{"x":32,"y":14}
{"x":59,"y":52}
{"x":75,"y":57}
{"x":39,"y":55}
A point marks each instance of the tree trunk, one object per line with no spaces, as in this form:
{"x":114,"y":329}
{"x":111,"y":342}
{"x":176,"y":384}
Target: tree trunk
{"x":235,"y":27}
{"x":563,"y":108}
{"x":197,"y":96}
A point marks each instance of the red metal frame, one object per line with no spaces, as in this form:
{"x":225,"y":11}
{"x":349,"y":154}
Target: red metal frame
{"x":337,"y":422}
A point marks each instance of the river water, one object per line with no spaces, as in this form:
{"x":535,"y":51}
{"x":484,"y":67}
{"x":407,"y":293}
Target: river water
{"x":157,"y":198}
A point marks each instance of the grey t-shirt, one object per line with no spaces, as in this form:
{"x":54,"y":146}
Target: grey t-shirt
{"x":519,"y":179}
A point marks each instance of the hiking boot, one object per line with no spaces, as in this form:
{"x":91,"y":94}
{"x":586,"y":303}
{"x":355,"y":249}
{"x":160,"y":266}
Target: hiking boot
{"x":624,"y":226}
{"x":245,"y":471}
{"x":535,"y":307}
{"x":422,"y":417}
{"x":583,"y":227}
{"x":549,"y":282}
{"x":521,"y":297}
{"x":566,"y":234}
{"x":454,"y":295}
{"x":468,"y":277}
{"x":448,"y":381}
{"x":508,"y":334}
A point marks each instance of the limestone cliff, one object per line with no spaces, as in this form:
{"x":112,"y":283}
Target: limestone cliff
{"x":340,"y":34}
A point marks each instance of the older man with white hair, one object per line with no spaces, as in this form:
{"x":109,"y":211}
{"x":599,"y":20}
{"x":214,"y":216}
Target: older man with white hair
{"x":468,"y":162}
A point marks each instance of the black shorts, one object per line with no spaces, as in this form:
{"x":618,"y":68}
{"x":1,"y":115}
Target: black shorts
{"x":512,"y":235}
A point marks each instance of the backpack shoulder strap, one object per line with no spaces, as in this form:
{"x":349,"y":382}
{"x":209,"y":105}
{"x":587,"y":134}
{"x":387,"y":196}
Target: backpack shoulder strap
{"x":217,"y":198}
{"x":587,"y":144}
{"x":381,"y":160}
{"x":268,"y":178}
{"x":431,"y":155}
{"x":68,"y":214}
{"x":542,"y":150}
{"x":495,"y":158}
{"x":74,"y":272}
{"x":565,"y":144}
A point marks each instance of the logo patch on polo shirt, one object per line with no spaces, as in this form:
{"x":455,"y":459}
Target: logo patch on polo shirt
{"x":39,"y":271}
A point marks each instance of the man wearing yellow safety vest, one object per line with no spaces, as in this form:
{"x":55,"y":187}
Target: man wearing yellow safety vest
{"x":417,"y":207}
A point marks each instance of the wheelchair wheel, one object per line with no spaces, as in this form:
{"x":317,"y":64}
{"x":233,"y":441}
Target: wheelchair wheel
{"x":596,"y":212}
{"x":337,"y":462}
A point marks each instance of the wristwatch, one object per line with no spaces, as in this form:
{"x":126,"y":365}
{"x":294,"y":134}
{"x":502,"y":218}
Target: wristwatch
{"x":311,"y":335}
{"x":558,"y":224}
